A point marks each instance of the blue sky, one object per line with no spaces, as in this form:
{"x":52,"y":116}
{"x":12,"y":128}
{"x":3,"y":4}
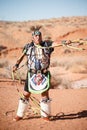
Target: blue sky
{"x":24,"y":10}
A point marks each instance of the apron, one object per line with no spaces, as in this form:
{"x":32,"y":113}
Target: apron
{"x":38,"y":83}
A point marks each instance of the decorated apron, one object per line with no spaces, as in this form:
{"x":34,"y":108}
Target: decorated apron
{"x":38,"y":83}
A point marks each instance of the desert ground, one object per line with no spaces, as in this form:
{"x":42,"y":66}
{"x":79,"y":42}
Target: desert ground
{"x":68,"y":69}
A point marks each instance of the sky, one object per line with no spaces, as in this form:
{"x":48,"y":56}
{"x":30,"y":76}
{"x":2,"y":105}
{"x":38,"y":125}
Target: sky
{"x":25,"y":10}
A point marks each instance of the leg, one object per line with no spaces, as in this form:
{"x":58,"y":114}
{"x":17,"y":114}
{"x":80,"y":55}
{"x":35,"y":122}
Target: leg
{"x":23,"y":104}
{"x":45,"y":105}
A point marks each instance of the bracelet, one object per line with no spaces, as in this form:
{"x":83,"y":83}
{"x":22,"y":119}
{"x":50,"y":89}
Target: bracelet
{"x":17,"y":65}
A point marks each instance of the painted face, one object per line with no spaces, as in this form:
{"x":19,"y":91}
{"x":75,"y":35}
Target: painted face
{"x":37,"y":37}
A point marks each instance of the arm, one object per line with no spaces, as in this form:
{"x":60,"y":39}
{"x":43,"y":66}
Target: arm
{"x":60,"y":43}
{"x":18,"y":62}
{"x":56,"y":44}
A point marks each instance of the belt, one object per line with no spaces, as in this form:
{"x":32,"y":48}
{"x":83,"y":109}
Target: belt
{"x":38,"y":71}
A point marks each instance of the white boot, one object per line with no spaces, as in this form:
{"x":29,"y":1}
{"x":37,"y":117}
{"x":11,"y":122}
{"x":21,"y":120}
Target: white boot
{"x":23,"y":104}
{"x":45,"y":107}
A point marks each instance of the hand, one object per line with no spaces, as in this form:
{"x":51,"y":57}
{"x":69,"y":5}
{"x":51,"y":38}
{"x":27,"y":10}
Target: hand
{"x":68,"y":41}
{"x":15,"y":67}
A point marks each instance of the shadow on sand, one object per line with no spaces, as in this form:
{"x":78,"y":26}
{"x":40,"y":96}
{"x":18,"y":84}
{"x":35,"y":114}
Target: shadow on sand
{"x":62,"y":116}
{"x":58,"y":116}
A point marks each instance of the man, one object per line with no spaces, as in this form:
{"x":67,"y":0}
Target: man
{"x":38,"y":77}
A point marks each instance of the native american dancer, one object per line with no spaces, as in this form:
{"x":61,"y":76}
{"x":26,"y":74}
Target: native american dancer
{"x":38,"y":54}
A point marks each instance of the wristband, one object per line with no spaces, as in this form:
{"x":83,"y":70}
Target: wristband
{"x":17,"y":65}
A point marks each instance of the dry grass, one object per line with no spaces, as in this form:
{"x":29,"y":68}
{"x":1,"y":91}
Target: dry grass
{"x":75,"y":64}
{"x":64,"y":65}
{"x":60,"y":83}
{"x":75,"y":68}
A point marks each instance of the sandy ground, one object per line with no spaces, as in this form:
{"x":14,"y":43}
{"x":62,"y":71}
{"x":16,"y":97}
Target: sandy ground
{"x":68,"y":108}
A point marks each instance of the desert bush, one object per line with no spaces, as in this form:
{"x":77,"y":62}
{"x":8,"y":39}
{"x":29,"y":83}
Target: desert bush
{"x":54,"y":64}
{"x":74,"y":64}
{"x":75,"y":68}
{"x":3,"y":64}
{"x":3,"y":75}
{"x":77,"y":65}
{"x":65,"y":84}
{"x":60,"y":83}
{"x":28,"y":30}
{"x":2,"y":47}
{"x":19,"y":30}
{"x":54,"y":82}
